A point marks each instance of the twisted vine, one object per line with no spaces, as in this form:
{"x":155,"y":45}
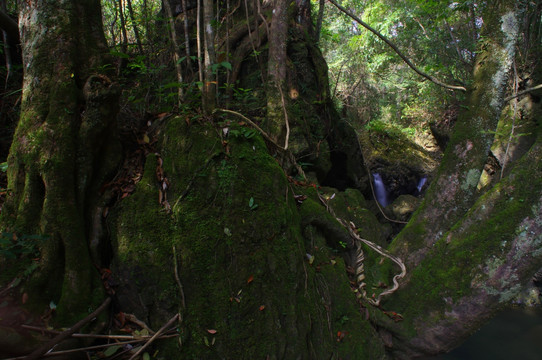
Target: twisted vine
{"x":360,"y":257}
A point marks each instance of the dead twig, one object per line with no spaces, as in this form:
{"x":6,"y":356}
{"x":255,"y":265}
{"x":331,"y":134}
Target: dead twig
{"x":92,"y":336}
{"x":36,"y":354}
{"x":155,"y":336}
{"x":177,"y":278}
{"x":537,"y":87}
{"x":94,"y":347}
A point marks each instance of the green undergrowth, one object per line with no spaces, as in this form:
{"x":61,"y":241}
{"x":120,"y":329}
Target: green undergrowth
{"x":250,"y":289}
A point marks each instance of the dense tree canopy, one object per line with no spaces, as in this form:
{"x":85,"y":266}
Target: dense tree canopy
{"x":214,"y":169}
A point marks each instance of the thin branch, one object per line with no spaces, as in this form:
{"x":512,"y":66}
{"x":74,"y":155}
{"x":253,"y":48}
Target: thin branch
{"x":36,"y":354}
{"x":287,"y":137}
{"x":253,"y":124}
{"x":178,"y":279}
{"x":157,"y":335}
{"x":95,"y":347}
{"x":396,"y":49}
{"x":537,"y":87}
{"x":92,"y":336}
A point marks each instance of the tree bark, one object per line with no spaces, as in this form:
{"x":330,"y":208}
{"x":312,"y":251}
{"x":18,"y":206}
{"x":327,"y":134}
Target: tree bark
{"x":276,"y":71}
{"x":209,"y":84}
{"x":67,"y":109}
{"x":473,"y":135}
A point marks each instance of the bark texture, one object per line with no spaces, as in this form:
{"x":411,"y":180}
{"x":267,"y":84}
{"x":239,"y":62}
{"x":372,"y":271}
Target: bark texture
{"x":67,"y":109}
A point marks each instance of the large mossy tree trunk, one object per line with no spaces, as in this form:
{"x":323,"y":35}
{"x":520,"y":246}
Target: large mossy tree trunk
{"x":470,"y":250}
{"x":235,"y":235}
{"x":56,"y":162}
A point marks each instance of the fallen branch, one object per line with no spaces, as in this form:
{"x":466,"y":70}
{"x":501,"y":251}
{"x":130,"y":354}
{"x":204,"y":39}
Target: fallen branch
{"x":36,"y":354}
{"x":92,"y":336}
{"x":155,"y":336}
{"x":396,"y":49}
{"x":94,"y":347}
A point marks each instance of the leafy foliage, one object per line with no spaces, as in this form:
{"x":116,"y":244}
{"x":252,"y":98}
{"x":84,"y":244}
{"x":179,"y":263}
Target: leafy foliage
{"x":13,"y":246}
{"x":372,"y":83}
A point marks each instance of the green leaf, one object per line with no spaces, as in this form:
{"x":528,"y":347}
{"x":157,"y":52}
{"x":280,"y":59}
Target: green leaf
{"x":251,"y":202}
{"x":227,"y":65}
{"x":146,"y":356}
{"x":171,"y":85}
{"x":119,"y":54}
{"x":112,"y":349}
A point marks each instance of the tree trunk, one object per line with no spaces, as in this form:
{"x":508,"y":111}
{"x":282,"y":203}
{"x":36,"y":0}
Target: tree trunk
{"x":67,"y":110}
{"x":469,"y":252}
{"x":209,"y":64}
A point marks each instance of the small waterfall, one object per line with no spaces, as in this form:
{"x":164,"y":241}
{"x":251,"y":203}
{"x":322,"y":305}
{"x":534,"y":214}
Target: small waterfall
{"x":380,"y":190}
{"x":421,"y":183}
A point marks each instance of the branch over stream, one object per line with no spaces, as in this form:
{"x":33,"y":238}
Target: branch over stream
{"x":396,"y":49}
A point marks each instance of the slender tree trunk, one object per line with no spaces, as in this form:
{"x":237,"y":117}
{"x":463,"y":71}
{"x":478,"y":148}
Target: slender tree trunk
{"x":134,"y":25}
{"x":176,"y":50}
{"x":209,"y":85}
{"x":276,"y":71}
{"x":124,"y":37}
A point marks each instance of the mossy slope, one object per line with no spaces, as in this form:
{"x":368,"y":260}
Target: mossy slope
{"x":241,"y":256}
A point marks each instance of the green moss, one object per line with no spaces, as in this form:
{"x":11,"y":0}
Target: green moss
{"x":243,"y":268}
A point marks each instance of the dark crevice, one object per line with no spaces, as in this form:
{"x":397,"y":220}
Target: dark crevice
{"x":337,"y":177}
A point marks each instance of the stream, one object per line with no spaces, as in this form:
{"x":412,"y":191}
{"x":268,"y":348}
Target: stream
{"x":513,"y":334}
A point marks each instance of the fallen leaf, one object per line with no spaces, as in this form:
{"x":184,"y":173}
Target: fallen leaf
{"x":250,"y":279}
{"x":25,"y":298}
{"x":112,"y":350}
{"x":262,"y":307}
{"x":211,"y":331}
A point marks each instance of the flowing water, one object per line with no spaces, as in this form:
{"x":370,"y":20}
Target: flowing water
{"x":421,"y":183}
{"x":380,"y":190}
{"x":514,"y":334}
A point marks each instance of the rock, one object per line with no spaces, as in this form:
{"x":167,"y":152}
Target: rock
{"x":404,"y":206}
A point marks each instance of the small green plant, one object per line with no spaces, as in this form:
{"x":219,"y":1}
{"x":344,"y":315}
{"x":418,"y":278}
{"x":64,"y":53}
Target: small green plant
{"x":13,"y":246}
{"x":252,"y":204}
{"x":247,"y":133}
